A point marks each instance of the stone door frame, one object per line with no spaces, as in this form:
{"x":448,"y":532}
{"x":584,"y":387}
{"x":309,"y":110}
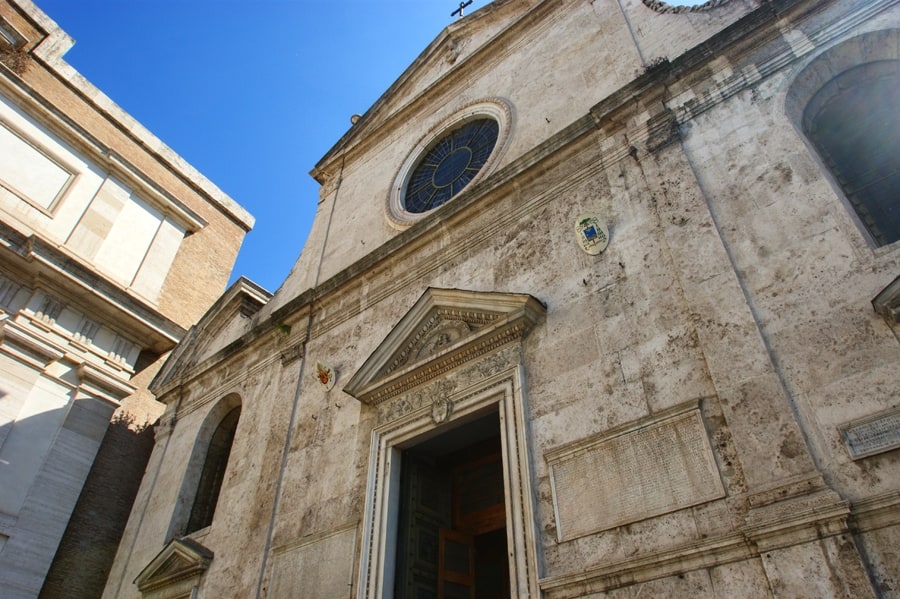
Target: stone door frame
{"x":503,"y":390}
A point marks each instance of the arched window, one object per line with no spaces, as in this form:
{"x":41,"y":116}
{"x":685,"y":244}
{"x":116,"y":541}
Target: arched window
{"x":213,"y":472}
{"x":854,"y":124}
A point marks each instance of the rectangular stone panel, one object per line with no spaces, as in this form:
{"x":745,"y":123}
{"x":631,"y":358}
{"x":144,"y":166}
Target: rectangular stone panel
{"x":153,"y":270}
{"x":652,"y":468}
{"x":872,"y":435}
{"x":30,"y":173}
{"x":321,"y":568}
{"x":129,"y":238}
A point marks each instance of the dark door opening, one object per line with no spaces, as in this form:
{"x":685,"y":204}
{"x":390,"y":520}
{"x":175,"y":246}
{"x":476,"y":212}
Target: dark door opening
{"x":451,"y":540}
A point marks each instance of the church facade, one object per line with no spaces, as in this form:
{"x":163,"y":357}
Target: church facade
{"x":600,"y":300}
{"x":111,"y":246}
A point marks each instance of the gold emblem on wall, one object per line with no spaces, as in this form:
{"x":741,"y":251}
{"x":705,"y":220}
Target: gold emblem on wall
{"x":325,"y":374}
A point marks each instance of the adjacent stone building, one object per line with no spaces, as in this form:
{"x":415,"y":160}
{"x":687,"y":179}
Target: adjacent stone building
{"x":111,"y":246}
{"x":600,"y":301}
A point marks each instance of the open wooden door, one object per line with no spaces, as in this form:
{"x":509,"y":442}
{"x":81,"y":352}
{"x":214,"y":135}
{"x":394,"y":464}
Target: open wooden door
{"x":456,"y":565}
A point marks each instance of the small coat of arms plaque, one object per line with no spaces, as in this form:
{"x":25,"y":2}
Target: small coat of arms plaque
{"x":592,"y":234}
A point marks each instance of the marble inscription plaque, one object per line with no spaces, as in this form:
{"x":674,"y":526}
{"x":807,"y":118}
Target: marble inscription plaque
{"x":647,"y":471}
{"x":872,"y":435}
{"x":318,"y":569}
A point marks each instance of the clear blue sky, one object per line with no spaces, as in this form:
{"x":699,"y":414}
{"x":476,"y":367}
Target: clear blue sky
{"x":252,"y":93}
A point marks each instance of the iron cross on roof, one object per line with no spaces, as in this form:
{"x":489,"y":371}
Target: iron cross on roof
{"x":459,"y":11}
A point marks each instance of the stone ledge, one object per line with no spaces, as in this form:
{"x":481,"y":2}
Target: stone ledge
{"x":824,"y":515}
{"x":49,"y":52}
{"x":876,"y":512}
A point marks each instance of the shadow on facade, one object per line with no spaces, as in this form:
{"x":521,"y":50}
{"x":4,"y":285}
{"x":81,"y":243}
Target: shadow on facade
{"x":88,"y":547}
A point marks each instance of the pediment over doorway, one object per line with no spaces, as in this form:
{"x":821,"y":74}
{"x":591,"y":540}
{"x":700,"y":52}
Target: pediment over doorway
{"x":174,"y":570}
{"x":443,"y":330}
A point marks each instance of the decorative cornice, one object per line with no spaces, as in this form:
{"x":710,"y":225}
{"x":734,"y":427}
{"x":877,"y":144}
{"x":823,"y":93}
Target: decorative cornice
{"x":761,"y":26}
{"x":31,"y":347}
{"x":243,"y":299}
{"x":876,"y":512}
{"x":446,"y":389}
{"x":412,"y":354}
{"x":208,"y":383}
{"x":17,"y":339}
{"x":438,"y":367}
{"x":102,"y":384}
{"x":818,"y":516}
{"x":180,"y":560}
{"x":440,"y":318}
{"x":291,"y":354}
{"x":49,"y":53}
{"x":95,"y":293}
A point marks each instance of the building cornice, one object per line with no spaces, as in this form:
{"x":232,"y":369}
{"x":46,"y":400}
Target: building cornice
{"x":887,"y":302}
{"x":638,"y":119}
{"x":445,"y":329}
{"x":360,"y":136}
{"x":44,"y":263}
{"x":49,"y":52}
{"x":243,"y":299}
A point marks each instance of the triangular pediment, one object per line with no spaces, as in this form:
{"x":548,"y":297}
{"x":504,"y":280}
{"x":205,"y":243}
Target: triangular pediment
{"x":459,"y":42}
{"x":226,"y":320}
{"x":465,"y":45}
{"x":179,"y":560}
{"x":444,"y":329}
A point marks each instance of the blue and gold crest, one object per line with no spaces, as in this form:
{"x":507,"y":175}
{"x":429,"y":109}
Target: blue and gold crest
{"x":592,"y":234}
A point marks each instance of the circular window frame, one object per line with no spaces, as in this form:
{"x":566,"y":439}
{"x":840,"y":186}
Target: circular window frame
{"x":493,"y":108}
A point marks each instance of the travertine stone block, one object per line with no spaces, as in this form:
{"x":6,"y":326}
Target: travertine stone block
{"x":827,"y":568}
{"x":658,"y":466}
{"x":320,"y":568}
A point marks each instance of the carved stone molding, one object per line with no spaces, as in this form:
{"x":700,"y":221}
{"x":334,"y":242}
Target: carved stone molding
{"x":441,"y":409}
{"x":291,"y":354}
{"x":412,"y":415}
{"x":436,"y":334}
{"x":445,"y":330}
{"x":23,"y":344}
{"x":876,"y":512}
{"x":804,"y":519}
{"x":401,"y":405}
{"x":175,"y":571}
{"x":102,"y":384}
{"x":455,"y":354}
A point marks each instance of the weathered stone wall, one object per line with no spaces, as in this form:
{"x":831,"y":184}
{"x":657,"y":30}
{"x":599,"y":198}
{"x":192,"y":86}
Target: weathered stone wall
{"x":265,"y":391}
{"x":707,"y":359}
{"x":535,"y":72}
